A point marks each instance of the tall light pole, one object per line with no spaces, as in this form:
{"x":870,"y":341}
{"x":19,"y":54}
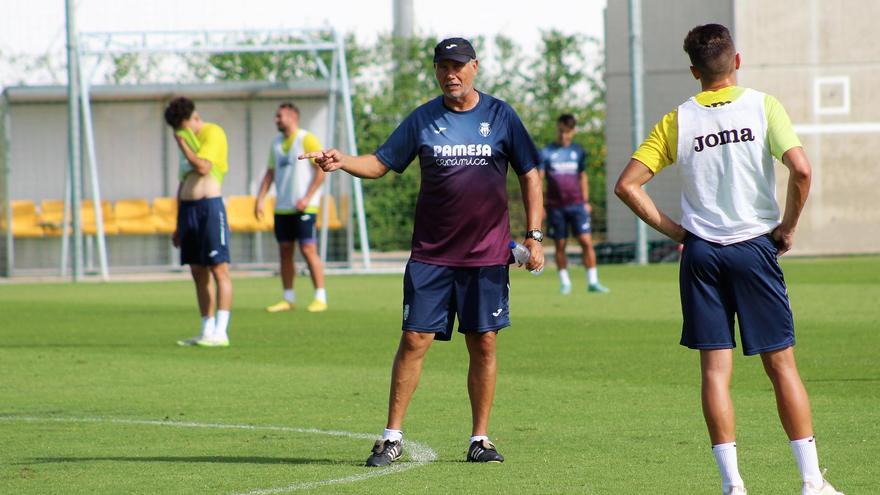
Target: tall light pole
{"x":403,"y":16}
{"x":401,"y":37}
{"x":73,"y":140}
{"x":637,"y":73}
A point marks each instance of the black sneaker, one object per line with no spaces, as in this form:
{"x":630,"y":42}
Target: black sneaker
{"x":385,"y":452}
{"x":483,"y":451}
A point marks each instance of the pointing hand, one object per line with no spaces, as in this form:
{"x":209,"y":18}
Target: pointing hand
{"x":329,"y":159}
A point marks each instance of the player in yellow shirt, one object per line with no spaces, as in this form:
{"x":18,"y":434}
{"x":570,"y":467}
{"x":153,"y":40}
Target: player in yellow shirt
{"x":298,"y":184}
{"x":724,"y":141}
{"x":202,"y":232}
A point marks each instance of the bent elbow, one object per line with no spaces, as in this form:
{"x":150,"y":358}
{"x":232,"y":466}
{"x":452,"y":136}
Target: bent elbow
{"x":803,"y":174}
{"x":798,"y":165}
{"x":623,"y":190}
{"x":379,"y":171}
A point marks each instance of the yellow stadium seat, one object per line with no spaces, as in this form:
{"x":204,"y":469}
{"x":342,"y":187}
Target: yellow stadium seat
{"x":165,"y":214}
{"x":268,"y":221}
{"x":333,"y":216}
{"x":133,"y":216}
{"x":24,"y":219}
{"x":89,"y":221}
{"x":240,"y":210}
{"x":51,"y":216}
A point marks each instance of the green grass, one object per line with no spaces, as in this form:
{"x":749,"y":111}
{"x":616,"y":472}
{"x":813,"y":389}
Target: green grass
{"x":594,"y":393}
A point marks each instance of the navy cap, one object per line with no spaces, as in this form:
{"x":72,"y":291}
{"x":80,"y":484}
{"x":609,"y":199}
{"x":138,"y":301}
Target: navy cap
{"x":458,"y":49}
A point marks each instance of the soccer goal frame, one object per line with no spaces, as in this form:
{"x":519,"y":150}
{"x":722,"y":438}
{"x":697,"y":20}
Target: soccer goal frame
{"x":93,"y":51}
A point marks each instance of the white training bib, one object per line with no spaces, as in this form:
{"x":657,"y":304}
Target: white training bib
{"x":293,"y":176}
{"x":728,"y":190}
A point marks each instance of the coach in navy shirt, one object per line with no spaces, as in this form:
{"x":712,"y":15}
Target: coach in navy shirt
{"x":464,"y":141}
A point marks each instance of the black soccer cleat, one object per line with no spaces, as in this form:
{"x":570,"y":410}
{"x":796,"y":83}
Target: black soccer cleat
{"x":385,"y":452}
{"x":483,"y":451}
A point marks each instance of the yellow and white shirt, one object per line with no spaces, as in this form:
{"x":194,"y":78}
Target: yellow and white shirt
{"x":209,"y":144}
{"x":724,"y":141}
{"x":293,"y":176}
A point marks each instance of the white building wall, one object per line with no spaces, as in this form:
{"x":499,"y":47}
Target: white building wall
{"x":129,"y":138}
{"x":667,"y":83}
{"x":821,"y":64}
{"x":815,"y":56}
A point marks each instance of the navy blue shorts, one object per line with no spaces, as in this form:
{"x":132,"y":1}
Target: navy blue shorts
{"x":203,"y":232}
{"x":742,"y":279}
{"x":559,"y":220}
{"x":290,"y":227}
{"x":433,"y":295}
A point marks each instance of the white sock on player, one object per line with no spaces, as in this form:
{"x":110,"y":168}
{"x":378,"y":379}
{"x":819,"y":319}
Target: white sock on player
{"x":725,"y":456}
{"x":221,"y":325}
{"x":477,"y":438}
{"x":563,"y":277}
{"x":592,"y":276}
{"x":807,"y":458}
{"x":321,"y":295}
{"x":289,"y":296}
{"x":393,"y":435}
{"x":208,"y":325}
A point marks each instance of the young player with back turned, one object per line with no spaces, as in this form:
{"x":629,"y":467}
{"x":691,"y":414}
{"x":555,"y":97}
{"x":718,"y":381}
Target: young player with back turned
{"x":724,"y":141}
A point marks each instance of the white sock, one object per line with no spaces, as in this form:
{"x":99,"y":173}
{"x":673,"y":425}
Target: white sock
{"x":592,"y":276}
{"x":563,"y":277}
{"x":289,"y":296}
{"x":393,"y":435}
{"x":725,"y":456}
{"x":222,"y":323}
{"x":807,"y":458}
{"x":477,"y":438}
{"x":321,"y":295}
{"x":207,"y":327}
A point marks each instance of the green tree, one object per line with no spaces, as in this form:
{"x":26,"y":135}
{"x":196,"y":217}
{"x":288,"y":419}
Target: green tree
{"x":132,"y":68}
{"x":568,"y":81}
{"x":391,"y":77}
{"x":563,"y":78}
{"x":261,"y":66}
{"x":384,"y":94}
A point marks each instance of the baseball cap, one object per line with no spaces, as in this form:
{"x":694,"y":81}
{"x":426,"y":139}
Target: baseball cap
{"x":458,"y":49}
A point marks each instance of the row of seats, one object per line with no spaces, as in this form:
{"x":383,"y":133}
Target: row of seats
{"x":138,"y":216}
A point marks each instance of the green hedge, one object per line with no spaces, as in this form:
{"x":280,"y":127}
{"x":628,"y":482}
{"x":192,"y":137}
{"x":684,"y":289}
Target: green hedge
{"x":559,"y":79}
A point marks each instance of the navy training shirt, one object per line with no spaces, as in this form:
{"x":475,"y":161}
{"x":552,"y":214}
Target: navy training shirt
{"x":562,"y":166}
{"x":461,"y":213}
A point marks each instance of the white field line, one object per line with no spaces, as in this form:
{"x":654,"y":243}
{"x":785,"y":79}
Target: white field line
{"x":419,"y":454}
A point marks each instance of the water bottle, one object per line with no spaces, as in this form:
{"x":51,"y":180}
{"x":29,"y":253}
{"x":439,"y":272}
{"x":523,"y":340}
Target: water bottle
{"x":521,"y":254}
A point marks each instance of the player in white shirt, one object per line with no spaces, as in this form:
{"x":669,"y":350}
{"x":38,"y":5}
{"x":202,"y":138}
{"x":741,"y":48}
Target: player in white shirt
{"x":299,"y":187}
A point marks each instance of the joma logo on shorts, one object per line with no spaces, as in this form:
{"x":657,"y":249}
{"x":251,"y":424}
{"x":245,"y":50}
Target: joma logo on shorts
{"x":723,"y":137}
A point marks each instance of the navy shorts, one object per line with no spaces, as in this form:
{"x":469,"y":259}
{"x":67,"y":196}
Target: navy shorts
{"x":559,"y":220}
{"x":433,"y":295}
{"x":290,"y":227}
{"x":203,"y":232}
{"x":742,"y":279}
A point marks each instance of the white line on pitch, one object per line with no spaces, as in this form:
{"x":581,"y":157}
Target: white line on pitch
{"x":420,"y":454}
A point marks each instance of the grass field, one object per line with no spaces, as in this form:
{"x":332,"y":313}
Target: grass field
{"x":594,"y":394}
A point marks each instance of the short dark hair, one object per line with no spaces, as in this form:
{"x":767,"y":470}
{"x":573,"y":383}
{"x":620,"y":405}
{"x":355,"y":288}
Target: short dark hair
{"x":710,"y":49}
{"x":178,"y":110}
{"x":567,"y":120}
{"x":290,"y":106}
